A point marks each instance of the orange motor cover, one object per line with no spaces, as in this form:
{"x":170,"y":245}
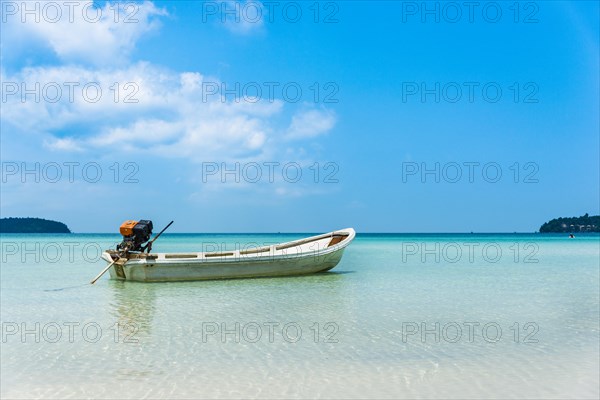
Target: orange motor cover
{"x":126,"y":228}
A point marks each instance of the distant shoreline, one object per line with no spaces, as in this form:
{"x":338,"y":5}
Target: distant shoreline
{"x":30,"y":225}
{"x":563,"y":225}
{"x":583,"y":224}
{"x":312,"y":233}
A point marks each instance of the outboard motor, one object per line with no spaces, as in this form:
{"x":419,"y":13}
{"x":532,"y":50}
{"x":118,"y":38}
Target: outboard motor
{"x":135,"y":234}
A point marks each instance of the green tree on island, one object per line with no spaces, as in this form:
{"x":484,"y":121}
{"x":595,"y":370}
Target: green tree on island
{"x":584,"y":223}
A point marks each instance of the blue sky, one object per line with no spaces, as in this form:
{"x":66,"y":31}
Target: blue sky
{"x":388,"y":106}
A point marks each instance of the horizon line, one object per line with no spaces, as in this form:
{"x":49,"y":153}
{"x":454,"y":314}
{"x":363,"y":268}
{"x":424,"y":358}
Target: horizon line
{"x":298,"y":232}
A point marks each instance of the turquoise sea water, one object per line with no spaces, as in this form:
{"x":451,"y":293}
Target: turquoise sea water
{"x":402,"y":316}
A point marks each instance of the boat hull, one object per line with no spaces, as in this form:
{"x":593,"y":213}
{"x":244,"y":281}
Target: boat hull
{"x":295,"y":260}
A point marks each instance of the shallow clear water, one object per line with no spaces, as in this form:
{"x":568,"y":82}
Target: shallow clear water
{"x":402,"y":316}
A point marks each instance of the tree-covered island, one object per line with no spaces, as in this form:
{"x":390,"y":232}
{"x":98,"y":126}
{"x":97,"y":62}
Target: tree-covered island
{"x":31,"y":225}
{"x":584,"y":223}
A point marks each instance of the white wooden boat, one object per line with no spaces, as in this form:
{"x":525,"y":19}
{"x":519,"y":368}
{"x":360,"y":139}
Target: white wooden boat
{"x":305,"y":256}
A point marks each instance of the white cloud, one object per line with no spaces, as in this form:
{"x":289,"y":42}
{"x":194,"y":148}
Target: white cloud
{"x":141,"y":107}
{"x":62,"y":145}
{"x":311,"y":123}
{"x":190,"y":81}
{"x":171,"y":116}
{"x":85,"y":33}
{"x":242,"y":17}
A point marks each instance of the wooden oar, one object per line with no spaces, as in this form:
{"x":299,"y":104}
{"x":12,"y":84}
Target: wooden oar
{"x":104,"y":271}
